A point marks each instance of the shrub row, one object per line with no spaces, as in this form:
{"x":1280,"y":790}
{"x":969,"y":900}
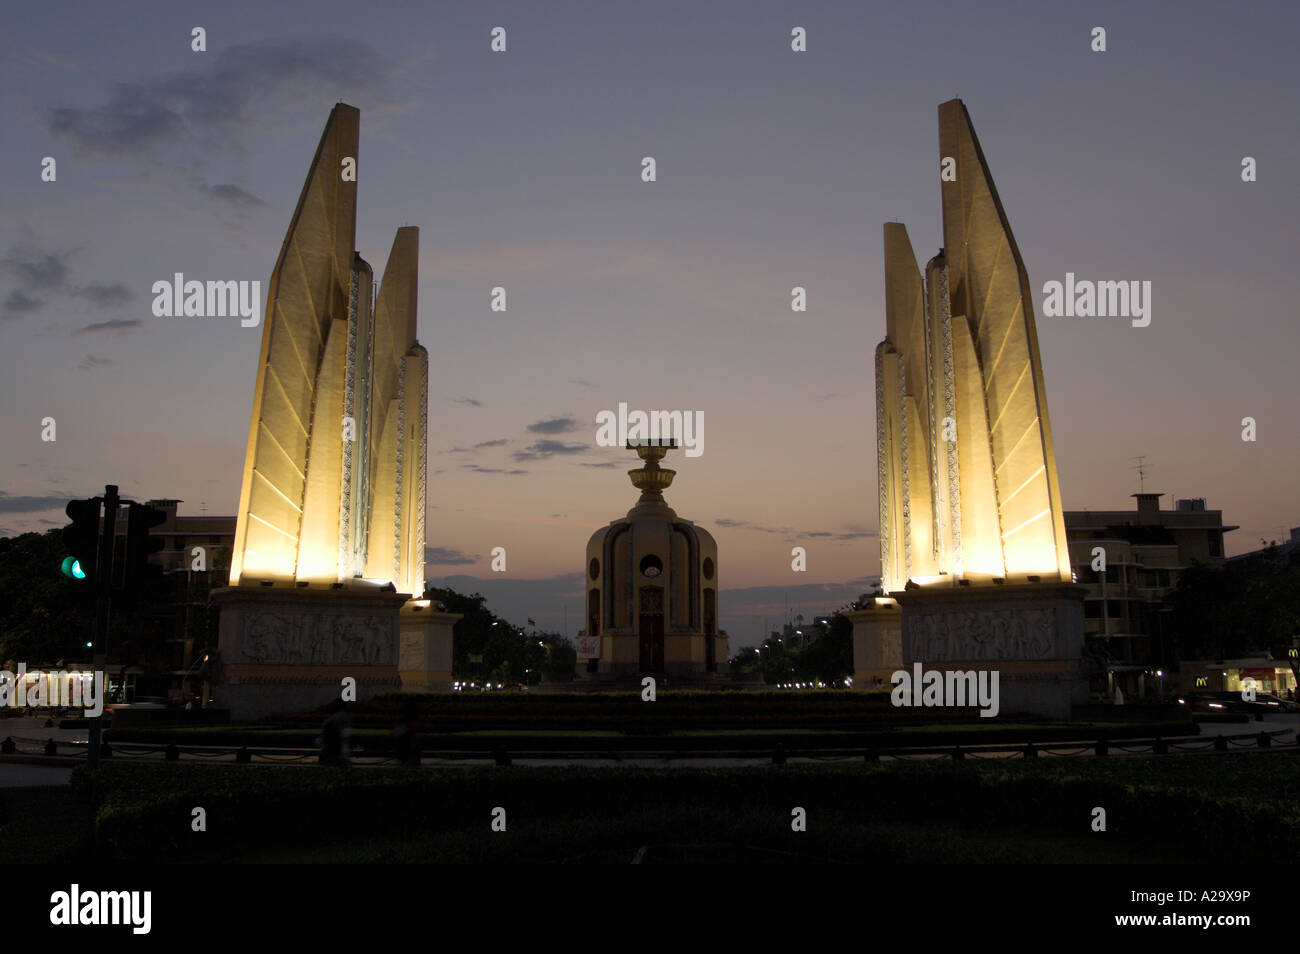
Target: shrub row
{"x":142,"y":812}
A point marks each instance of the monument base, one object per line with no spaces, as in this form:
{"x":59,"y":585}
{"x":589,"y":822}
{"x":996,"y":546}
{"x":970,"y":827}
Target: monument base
{"x":685,"y":657}
{"x":877,"y":643}
{"x":1031,"y":634}
{"x":425,"y":656}
{"x":288,"y":649}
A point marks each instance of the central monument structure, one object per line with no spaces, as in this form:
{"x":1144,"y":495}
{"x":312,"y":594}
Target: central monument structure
{"x":327,"y":569}
{"x":974,"y":566}
{"x":652,"y":589}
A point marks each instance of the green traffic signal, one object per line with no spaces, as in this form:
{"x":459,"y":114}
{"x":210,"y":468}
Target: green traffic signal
{"x":72,"y":569}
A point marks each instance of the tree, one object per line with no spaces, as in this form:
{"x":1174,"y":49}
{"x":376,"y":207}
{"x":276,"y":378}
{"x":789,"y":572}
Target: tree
{"x":1240,"y":608}
{"x":44,"y":616}
{"x":508,"y":653}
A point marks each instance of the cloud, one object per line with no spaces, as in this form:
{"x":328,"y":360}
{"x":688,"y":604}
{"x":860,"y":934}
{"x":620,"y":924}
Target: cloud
{"x":19,"y":303}
{"x":106,"y":296}
{"x":469,"y":401}
{"x":498,"y":442}
{"x":90,"y":362}
{"x":112,"y":326}
{"x":491,"y":470}
{"x":556,"y":425}
{"x":791,"y":533}
{"x":197,"y":106}
{"x":39,"y":274}
{"x":37,"y":270}
{"x":36,"y":273}
{"x":10,"y":504}
{"x":541,"y":450}
{"x":447,"y":556}
{"x":233,"y":195}
{"x":605,"y":463}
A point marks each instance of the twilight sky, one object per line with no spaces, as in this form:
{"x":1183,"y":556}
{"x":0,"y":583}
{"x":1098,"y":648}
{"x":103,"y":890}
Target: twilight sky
{"x":775,"y":169}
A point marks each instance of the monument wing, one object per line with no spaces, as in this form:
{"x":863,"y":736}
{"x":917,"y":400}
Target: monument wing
{"x":308,"y":289}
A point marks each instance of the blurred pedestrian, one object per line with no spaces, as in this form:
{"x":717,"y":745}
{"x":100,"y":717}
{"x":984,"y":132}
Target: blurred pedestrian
{"x":406,"y":735}
{"x":334,"y":746}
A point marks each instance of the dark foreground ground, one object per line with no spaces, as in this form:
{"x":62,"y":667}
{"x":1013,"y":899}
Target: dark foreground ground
{"x":1172,"y":809}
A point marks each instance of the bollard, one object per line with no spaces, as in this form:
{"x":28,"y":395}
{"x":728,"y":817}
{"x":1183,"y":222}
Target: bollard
{"x":51,"y":747}
{"x":1102,"y":747}
{"x":502,"y":758}
{"x":1265,"y":740}
{"x":1161,"y":747}
{"x":871,"y":755}
{"x":1030,"y":751}
{"x":778,"y":756}
{"x":1220,"y":743}
{"x":957,"y":754}
{"x":243,"y":756}
{"x":171,"y":754}
{"x":105,"y":750}
{"x":7,"y":747}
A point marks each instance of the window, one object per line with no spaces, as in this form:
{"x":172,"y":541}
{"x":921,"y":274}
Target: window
{"x":1216,"y":544}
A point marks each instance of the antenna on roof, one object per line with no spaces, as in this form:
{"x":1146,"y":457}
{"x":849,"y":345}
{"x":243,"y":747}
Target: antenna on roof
{"x":1141,"y":468}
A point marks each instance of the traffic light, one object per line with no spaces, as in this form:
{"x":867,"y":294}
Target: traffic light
{"x":82,"y":539}
{"x":140,"y":574}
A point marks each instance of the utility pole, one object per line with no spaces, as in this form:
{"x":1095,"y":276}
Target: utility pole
{"x":103,"y":607}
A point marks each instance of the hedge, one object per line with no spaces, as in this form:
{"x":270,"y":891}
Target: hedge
{"x":143,"y":811}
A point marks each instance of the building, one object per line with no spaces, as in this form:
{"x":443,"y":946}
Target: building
{"x":195,"y":558}
{"x":193,"y":543}
{"x":652,"y":589}
{"x":1279,"y":551}
{"x":1143,"y":551}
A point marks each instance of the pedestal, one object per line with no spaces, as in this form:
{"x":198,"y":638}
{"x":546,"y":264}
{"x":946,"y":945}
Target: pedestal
{"x":1030,"y":633}
{"x":877,"y":643}
{"x":425,"y":656}
{"x":287,"y":649}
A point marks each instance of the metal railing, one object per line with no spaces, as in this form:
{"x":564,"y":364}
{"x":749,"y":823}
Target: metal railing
{"x":502,"y":755}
